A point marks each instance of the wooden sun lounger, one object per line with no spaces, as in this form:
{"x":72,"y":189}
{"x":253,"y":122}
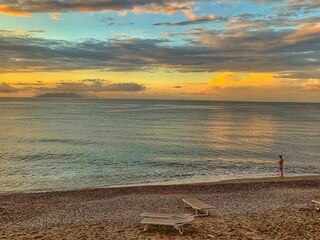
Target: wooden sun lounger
{"x":317,"y":205}
{"x":176,"y":223}
{"x":164,"y":215}
{"x":200,"y":208}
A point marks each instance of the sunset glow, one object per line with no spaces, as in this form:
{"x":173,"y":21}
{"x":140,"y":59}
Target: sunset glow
{"x":255,"y":50}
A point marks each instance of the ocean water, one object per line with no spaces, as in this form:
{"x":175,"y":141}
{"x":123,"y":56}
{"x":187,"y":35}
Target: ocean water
{"x":61,"y":144}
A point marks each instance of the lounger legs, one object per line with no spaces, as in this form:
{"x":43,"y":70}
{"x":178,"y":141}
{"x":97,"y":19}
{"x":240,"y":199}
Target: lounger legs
{"x":186,"y":205}
{"x":145,"y":227}
{"x":179,"y":228}
{"x":199,"y":214}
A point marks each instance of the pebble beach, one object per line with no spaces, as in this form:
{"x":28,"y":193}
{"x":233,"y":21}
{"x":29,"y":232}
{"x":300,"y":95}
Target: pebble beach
{"x":264,"y":208}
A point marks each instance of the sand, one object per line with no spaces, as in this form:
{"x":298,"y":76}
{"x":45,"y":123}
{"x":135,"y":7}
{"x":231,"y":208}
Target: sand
{"x":268,"y":208}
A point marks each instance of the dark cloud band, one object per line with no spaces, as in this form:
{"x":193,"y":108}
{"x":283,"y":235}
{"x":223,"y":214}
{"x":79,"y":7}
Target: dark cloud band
{"x":23,"y":7}
{"x":268,"y":50}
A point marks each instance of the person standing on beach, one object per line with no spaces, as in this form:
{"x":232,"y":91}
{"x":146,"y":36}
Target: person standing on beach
{"x":281,"y":165}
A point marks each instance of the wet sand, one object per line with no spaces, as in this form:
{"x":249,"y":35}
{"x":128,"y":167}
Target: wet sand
{"x":267,"y":208}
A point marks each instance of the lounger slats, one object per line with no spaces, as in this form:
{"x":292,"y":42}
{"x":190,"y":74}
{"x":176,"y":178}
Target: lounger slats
{"x":200,"y":208}
{"x":163,"y":215}
{"x":160,"y":221}
{"x":176,"y":223}
{"x":197,"y":204}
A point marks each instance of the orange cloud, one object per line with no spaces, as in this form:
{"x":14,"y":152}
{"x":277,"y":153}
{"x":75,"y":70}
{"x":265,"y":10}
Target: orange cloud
{"x":190,"y":15}
{"x":304,"y":32}
{"x":167,"y":9}
{"x":26,"y":8}
{"x":55,"y":16}
{"x":193,"y":17}
{"x":313,"y":85}
{"x":20,"y":32}
{"x":5,"y":9}
{"x":85,"y":9}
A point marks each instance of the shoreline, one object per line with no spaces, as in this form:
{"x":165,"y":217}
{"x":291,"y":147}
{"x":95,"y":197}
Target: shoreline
{"x":263,"y":208}
{"x":225,"y":180}
{"x":246,"y":180}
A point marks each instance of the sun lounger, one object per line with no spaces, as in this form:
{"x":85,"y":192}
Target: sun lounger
{"x":164,"y":215}
{"x":177,"y":223}
{"x":317,"y":205}
{"x":200,"y":208}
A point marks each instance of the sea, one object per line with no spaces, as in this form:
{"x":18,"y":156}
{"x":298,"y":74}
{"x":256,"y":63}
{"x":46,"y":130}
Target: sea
{"x":64,"y":144}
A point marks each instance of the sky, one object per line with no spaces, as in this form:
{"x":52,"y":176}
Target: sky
{"x":230,"y":50}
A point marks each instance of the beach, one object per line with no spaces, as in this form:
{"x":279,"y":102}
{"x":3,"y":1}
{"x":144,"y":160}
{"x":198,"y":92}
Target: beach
{"x":265,"y":208}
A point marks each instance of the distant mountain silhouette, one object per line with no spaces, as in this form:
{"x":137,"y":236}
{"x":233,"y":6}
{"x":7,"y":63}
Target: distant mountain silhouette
{"x":59,"y":95}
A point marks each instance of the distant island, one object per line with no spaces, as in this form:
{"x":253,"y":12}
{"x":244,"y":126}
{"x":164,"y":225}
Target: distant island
{"x":59,"y":95}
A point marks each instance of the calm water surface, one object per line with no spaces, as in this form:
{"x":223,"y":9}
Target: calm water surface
{"x":64,"y":144}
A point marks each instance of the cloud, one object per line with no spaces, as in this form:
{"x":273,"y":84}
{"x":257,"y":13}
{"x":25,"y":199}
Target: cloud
{"x":309,"y":3}
{"x":266,"y":50}
{"x":6,"y":88}
{"x":289,"y":47}
{"x":37,"y":83}
{"x":36,"y":54}
{"x":312,"y":88}
{"x":301,"y":2}
{"x":110,"y":21}
{"x":240,"y":80}
{"x":241,"y":24}
{"x":93,"y":80}
{"x":205,"y":50}
{"x":262,"y":86}
{"x":27,"y":7}
{"x":305,"y":32}
{"x":313,"y":85}
{"x":55,"y":16}
{"x":125,"y":87}
{"x":177,"y":87}
{"x":20,"y":32}
{"x":92,"y":85}
{"x":296,"y":7}
{"x":159,"y":7}
{"x":168,"y":34}
{"x":10,"y":10}
{"x":197,"y":20}
{"x":301,"y":74}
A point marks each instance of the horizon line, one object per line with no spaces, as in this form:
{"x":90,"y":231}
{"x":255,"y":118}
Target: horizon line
{"x":161,"y":99}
